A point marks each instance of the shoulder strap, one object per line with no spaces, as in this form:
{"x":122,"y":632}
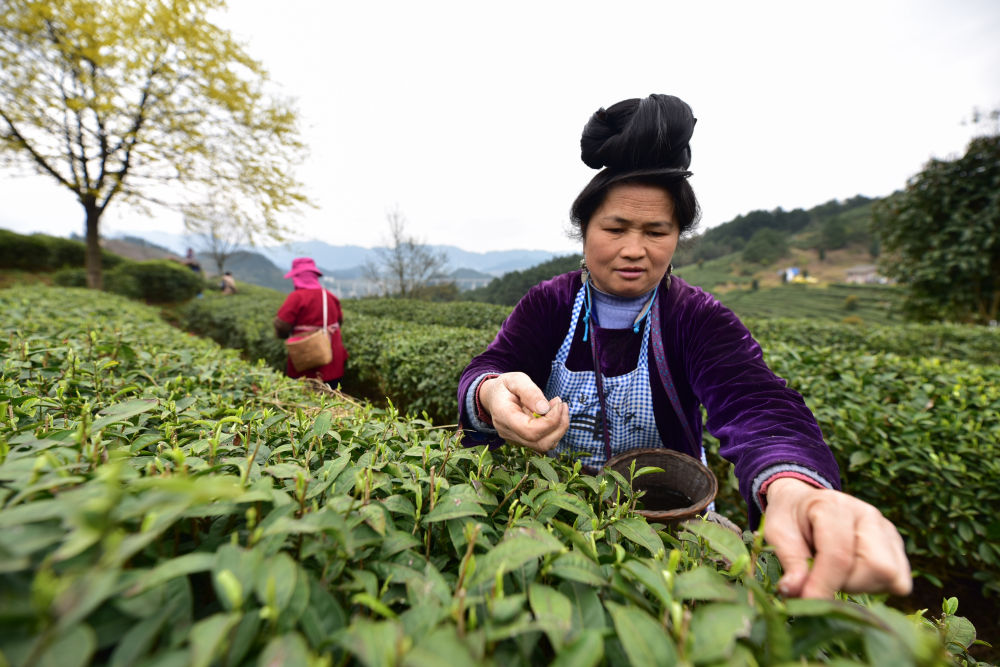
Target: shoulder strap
{"x":660,"y":357}
{"x":322,"y":295}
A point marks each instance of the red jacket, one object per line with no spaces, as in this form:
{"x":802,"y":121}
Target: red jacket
{"x":303,"y":309}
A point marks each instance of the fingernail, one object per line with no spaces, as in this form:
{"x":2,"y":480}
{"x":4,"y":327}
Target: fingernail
{"x":541,"y":407}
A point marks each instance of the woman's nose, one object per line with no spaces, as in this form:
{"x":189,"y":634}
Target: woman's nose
{"x":633,"y":246}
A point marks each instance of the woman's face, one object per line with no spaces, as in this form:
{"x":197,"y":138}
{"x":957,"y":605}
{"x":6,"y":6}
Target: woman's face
{"x":631,"y":239}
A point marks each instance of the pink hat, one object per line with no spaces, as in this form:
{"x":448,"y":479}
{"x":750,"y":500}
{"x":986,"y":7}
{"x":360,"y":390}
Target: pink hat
{"x":301,"y":265}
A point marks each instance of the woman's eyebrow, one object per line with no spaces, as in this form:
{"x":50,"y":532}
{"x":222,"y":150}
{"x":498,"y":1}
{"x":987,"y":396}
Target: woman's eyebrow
{"x":619,"y":220}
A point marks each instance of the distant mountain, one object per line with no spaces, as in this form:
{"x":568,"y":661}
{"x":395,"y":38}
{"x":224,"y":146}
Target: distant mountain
{"x":348,"y":258}
{"x":341,"y":265}
{"x":137,"y":249}
{"x":344,"y":261}
{"x":470,"y":274}
{"x":353,"y":273}
{"x":175,"y":243}
{"x":254,"y":268}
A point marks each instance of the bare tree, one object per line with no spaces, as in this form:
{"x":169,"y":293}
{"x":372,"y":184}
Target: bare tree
{"x":406,"y":263}
{"x":218,"y":235}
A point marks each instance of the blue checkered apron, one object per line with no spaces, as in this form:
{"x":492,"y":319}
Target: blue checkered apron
{"x":628,"y":403}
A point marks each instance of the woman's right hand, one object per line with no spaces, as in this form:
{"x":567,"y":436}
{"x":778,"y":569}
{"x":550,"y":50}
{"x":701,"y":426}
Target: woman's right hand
{"x":513,"y":401}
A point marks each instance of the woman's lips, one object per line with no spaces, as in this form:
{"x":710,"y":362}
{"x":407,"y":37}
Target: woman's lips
{"x":630,"y":273}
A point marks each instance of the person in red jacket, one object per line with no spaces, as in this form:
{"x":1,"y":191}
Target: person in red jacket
{"x":302,"y":312}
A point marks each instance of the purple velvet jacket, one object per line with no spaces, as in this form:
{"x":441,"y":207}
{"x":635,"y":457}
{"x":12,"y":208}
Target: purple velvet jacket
{"x":713,"y":360}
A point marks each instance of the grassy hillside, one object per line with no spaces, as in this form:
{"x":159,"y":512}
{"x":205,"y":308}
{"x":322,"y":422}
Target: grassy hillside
{"x":731,"y":271}
{"x":869,"y":304}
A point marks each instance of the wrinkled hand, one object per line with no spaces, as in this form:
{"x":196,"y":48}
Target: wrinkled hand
{"x":511,"y":399}
{"x":854,"y":548}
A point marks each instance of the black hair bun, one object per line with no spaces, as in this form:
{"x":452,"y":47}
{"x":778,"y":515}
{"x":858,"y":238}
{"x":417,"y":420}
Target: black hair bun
{"x":648,"y":133}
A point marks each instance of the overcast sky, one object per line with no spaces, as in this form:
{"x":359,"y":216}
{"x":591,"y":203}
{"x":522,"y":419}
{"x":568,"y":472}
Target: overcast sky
{"x":467,"y":115}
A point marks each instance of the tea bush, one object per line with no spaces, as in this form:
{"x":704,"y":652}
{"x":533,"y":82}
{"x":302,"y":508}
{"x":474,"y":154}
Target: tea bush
{"x":415,"y":367}
{"x":163,"y":502}
{"x":41,"y":252}
{"x":920,"y":439}
{"x":975,"y":344}
{"x":466,"y":314}
{"x":70,"y":277}
{"x":242,"y":321}
{"x":155,"y":280}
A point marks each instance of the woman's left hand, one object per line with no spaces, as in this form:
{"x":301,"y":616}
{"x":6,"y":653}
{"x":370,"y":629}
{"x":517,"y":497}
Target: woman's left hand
{"x":853,"y":547}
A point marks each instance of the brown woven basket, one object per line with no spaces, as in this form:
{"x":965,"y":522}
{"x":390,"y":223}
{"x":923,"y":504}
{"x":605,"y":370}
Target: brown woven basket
{"x":682,"y":491}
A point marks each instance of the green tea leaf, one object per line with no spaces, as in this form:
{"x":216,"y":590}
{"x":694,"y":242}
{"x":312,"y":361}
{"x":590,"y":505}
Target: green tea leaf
{"x":959,"y":632}
{"x":509,"y":607}
{"x":70,"y":648}
{"x":521,"y":545}
{"x":460,"y":500}
{"x":322,"y":423}
{"x":650,"y":575}
{"x":574,"y":566}
{"x":136,"y":643}
{"x":175,"y":567}
{"x":588,"y":611}
{"x":398,"y":504}
{"x":285,"y":471}
{"x":545,"y":467}
{"x":836,"y":608}
{"x":208,"y":637}
{"x":373,"y":643}
{"x":578,"y":539}
{"x":858,"y":459}
{"x":242,"y":639}
{"x":323,"y":616}
{"x":645,"y":641}
{"x":638,"y":531}
{"x":275,"y":581}
{"x":173,"y":610}
{"x":235,"y":573}
{"x":123,"y":411}
{"x":553,"y":612}
{"x":704,"y":583}
{"x":33,"y":512}
{"x":288,"y":649}
{"x":724,"y":541}
{"x":566,"y":501}
{"x":396,"y":541}
{"x":715,"y":629}
{"x":375,"y":516}
{"x":586,"y":650}
{"x":84,"y":594}
{"x":442,"y":646}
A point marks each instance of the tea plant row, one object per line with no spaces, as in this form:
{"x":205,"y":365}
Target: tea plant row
{"x":913,"y":425}
{"x":163,"y":502}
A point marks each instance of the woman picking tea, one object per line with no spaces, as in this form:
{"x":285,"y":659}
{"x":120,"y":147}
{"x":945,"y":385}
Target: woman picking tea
{"x":621,"y":355}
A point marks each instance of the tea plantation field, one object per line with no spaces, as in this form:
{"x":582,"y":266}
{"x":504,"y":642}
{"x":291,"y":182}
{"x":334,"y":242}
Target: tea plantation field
{"x":165,"y":501}
{"x":861,"y":304}
{"x":903,"y":406}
